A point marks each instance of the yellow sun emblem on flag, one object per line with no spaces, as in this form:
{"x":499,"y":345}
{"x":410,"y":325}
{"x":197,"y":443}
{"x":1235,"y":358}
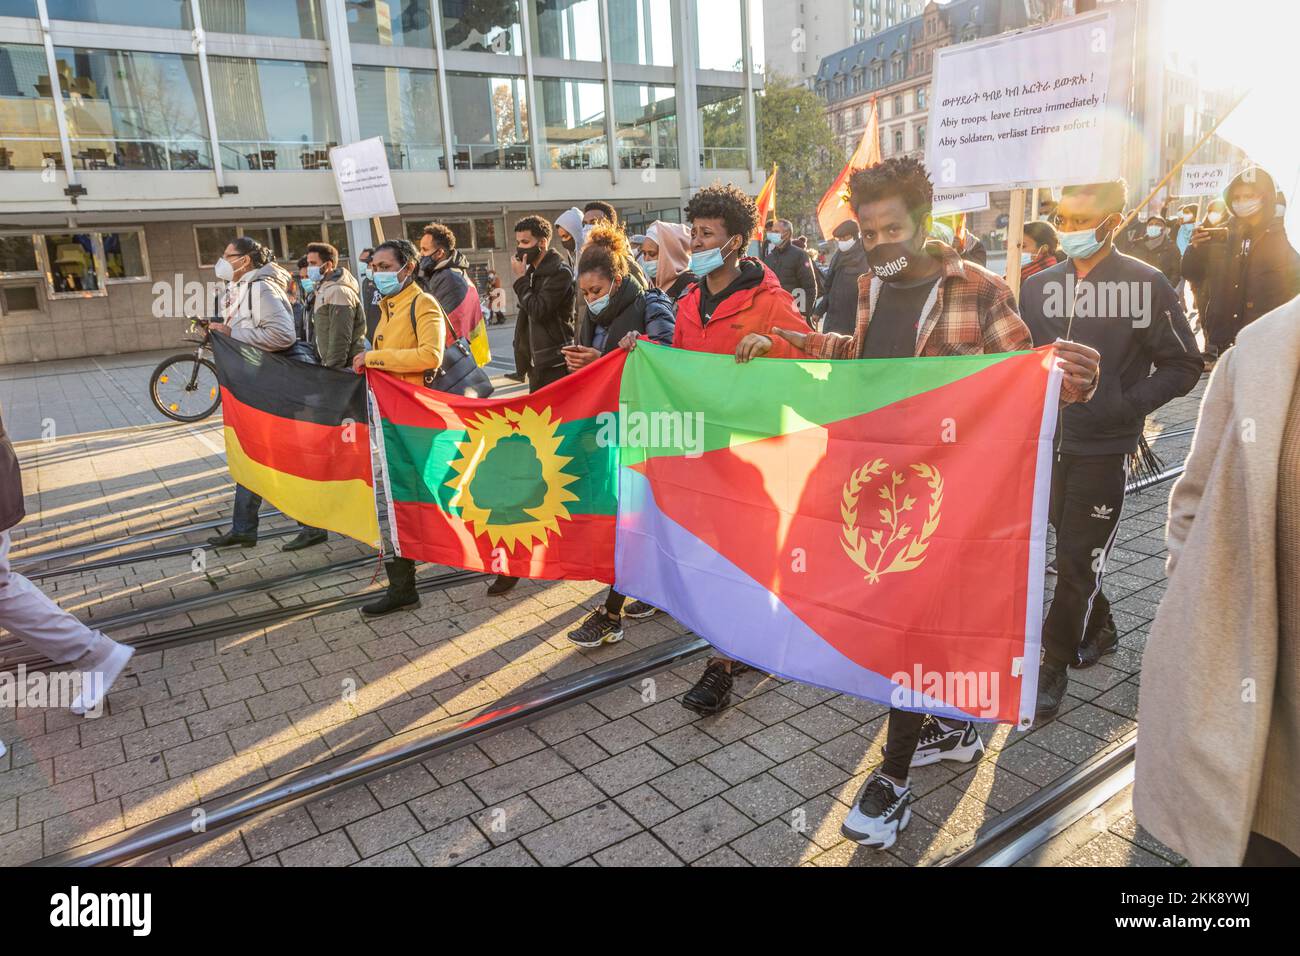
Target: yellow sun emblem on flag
{"x":510,"y":481}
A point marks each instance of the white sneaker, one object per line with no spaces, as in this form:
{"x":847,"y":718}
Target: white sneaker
{"x":963,"y":744}
{"x":880,"y":812}
{"x":102,"y":680}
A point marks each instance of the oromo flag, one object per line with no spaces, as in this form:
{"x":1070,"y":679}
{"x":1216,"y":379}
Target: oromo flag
{"x":876,"y":527}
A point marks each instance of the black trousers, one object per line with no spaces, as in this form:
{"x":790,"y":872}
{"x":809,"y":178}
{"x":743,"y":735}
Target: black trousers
{"x":1087,"y":498}
{"x":901,"y":738}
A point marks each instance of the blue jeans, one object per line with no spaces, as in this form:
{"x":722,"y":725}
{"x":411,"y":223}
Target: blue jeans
{"x":247,"y":506}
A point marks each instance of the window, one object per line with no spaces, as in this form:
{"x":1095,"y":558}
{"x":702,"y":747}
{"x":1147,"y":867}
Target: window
{"x":722,"y":128}
{"x":568,"y":29}
{"x":641,"y":32}
{"x":124,"y":256}
{"x":920,"y":136}
{"x":18,"y":8}
{"x":72,"y":265}
{"x":718,"y":36}
{"x":573,"y":124}
{"x":273,"y":114}
{"x":401,"y":106}
{"x":211,"y":241}
{"x":462,"y":229}
{"x":646,"y":125}
{"x":487,"y":234}
{"x":19,"y":298}
{"x":920,"y":97}
{"x":898,"y":141}
{"x":132,"y":110}
{"x":18,"y":255}
{"x":481,"y":26}
{"x":898,"y":105}
{"x":390,"y":22}
{"x":169,"y":14}
{"x":29,"y":134}
{"x":299,"y":19}
{"x":288,"y":243}
{"x":489,"y":120}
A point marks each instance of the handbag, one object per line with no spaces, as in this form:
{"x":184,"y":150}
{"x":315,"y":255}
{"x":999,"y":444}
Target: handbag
{"x":459,"y":373}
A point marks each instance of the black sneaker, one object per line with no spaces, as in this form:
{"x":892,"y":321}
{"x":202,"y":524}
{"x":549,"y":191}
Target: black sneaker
{"x":599,"y":628}
{"x":1096,"y":645}
{"x":962,"y":744}
{"x":501,"y":584}
{"x":639,"y":609}
{"x":880,"y":812}
{"x":305,"y":539}
{"x":1053,"y":679}
{"x":712,"y":692}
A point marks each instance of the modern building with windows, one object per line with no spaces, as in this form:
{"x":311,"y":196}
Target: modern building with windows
{"x":138,"y":136}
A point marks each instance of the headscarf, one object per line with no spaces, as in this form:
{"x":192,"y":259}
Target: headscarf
{"x":674,"y":242}
{"x":571,"y":222}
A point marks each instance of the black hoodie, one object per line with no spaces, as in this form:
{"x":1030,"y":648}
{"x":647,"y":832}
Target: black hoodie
{"x":546,"y":293}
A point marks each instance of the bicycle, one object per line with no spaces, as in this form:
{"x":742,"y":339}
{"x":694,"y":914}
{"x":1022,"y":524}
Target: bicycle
{"x":184,"y":387}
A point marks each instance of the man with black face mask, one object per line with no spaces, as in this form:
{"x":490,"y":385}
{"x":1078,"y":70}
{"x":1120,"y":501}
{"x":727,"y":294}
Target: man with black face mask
{"x":920,"y":298}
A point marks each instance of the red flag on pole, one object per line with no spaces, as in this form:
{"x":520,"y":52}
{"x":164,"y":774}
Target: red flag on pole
{"x":766,"y":202}
{"x":834,"y":206}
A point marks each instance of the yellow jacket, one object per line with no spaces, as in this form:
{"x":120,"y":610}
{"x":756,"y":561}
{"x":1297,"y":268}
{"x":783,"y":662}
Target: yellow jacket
{"x":405,"y":351}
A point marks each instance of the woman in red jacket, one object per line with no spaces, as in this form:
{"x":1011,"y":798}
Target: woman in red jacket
{"x":734,"y":301}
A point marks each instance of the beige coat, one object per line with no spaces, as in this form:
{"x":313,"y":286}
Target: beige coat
{"x":1209,"y":671}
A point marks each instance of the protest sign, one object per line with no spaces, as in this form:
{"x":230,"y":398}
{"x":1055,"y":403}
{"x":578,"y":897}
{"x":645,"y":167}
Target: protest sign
{"x":364,"y":183}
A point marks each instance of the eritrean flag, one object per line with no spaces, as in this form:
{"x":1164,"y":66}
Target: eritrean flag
{"x":523,"y":486}
{"x":296,"y":434}
{"x":875,"y":527}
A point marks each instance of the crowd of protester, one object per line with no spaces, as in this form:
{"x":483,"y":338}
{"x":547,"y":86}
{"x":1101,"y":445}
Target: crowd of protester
{"x":899,"y":283}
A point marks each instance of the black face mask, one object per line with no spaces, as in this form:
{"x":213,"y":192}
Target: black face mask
{"x":529,"y":254}
{"x":891,"y":261}
{"x":426,"y":265}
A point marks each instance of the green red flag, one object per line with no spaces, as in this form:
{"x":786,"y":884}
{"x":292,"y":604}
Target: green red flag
{"x":524,"y":486}
{"x":876,"y":527}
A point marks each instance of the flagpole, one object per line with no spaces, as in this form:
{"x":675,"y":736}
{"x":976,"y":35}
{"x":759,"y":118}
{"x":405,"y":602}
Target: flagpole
{"x":1015,"y":238}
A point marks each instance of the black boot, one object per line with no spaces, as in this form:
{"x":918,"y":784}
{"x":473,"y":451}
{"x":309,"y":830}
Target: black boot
{"x":1104,"y":640}
{"x":1053,"y":679}
{"x":401,"y":592}
{"x":231,"y":538}
{"x":306,"y":538}
{"x":501,"y":585}
{"x":712,"y":692}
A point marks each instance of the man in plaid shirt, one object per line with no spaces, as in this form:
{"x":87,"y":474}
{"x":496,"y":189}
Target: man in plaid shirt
{"x":920,"y":299}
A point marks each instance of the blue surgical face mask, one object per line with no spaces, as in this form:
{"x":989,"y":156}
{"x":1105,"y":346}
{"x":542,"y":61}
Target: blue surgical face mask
{"x":598,"y":306}
{"x":1154,"y":232}
{"x":774,"y":238}
{"x":704,"y":262}
{"x":362,"y":269}
{"x":307,"y":285}
{"x":387,"y":283}
{"x":313,"y":273}
{"x":1082,"y":244}
{"x":650,"y":267}
{"x":1026,"y":258}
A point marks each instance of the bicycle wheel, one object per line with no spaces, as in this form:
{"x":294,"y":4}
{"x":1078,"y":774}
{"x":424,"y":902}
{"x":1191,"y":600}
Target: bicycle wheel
{"x":184,"y":388}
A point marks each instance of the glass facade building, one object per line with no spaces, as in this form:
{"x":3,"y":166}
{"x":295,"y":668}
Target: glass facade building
{"x":131,"y":127}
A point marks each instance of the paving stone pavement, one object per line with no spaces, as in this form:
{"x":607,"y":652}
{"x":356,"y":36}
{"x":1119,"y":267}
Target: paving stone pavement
{"x":629,"y":777}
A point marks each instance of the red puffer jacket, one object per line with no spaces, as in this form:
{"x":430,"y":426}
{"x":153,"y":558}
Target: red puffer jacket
{"x":758,"y":304}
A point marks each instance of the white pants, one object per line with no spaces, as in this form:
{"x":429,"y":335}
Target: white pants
{"x":44,"y":626}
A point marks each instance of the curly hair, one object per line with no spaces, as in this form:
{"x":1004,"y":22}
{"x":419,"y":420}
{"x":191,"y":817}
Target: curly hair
{"x":327,"y":252}
{"x":606,"y":253}
{"x":726,"y":202}
{"x":539,"y":227}
{"x":441,"y":236}
{"x":901,"y":176}
{"x":605,"y":209}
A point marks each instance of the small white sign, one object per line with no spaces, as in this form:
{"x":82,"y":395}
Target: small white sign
{"x":364,"y":182}
{"x":1205,"y":179}
{"x":947,"y":202}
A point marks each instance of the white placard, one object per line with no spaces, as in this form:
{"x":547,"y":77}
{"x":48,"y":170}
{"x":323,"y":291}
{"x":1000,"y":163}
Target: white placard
{"x":364,"y":182}
{"x":947,"y":202}
{"x":1205,"y":179}
{"x":1041,"y":107}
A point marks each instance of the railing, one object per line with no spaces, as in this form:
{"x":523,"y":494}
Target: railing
{"x":271,"y":155}
{"x":641,"y":157}
{"x":583,"y":156}
{"x":30,"y":152}
{"x":418,"y":157}
{"x":114,"y":152}
{"x":484,"y":156}
{"x":724,"y":157}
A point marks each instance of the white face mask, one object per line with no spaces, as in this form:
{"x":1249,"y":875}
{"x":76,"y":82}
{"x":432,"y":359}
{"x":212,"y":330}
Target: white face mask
{"x":224,"y":270}
{"x":846,"y":244}
{"x":1155,"y":232}
{"x":1214,"y":218}
{"x":1245,"y":208}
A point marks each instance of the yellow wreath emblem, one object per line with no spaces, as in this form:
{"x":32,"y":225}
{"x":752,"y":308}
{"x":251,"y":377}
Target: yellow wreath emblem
{"x":894,"y":552}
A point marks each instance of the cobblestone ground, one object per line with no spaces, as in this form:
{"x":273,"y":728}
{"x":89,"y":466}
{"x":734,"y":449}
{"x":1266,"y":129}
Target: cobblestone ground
{"x":629,"y":777}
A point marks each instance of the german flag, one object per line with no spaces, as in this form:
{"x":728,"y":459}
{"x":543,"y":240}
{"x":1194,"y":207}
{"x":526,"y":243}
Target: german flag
{"x":296,"y":434}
